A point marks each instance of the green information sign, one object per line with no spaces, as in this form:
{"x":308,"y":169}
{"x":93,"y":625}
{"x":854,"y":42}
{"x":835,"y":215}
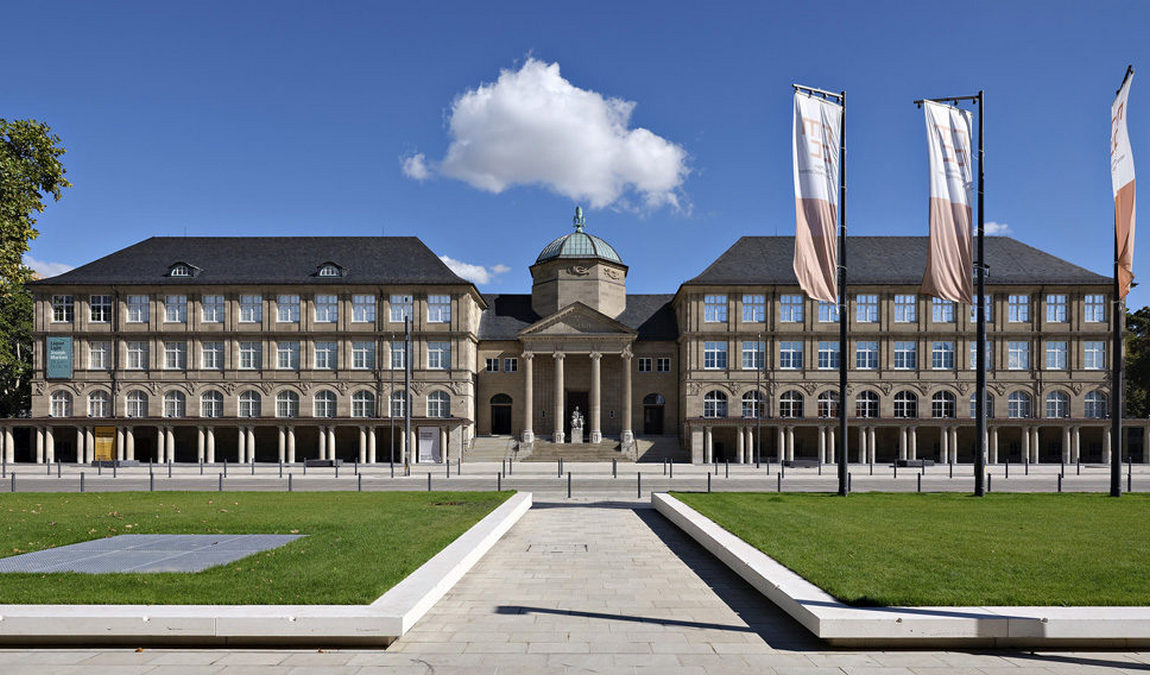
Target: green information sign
{"x":59,"y":357}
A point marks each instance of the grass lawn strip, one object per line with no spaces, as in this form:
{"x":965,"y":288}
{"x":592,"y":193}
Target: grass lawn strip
{"x":876,"y":549}
{"x":358,"y":545}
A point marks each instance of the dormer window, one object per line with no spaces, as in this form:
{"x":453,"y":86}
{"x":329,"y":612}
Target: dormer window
{"x":329,"y":269}
{"x":182,"y":270}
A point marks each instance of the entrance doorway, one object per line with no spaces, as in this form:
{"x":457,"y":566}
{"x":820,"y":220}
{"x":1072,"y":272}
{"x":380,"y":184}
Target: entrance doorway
{"x":577,"y":399}
{"x":653,"y":405}
{"x":500,"y":414}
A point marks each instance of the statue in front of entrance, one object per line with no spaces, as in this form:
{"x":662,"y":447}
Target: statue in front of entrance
{"x":576,"y":426}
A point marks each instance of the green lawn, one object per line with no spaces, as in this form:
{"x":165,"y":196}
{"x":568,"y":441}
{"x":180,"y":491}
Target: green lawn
{"x":358,"y":544}
{"x":874,"y":549}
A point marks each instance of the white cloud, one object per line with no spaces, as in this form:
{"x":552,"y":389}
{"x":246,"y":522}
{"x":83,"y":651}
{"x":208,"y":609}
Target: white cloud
{"x":46,"y":269}
{"x":477,"y":274}
{"x":415,"y":167}
{"x":993,"y":228}
{"x":533,"y":127}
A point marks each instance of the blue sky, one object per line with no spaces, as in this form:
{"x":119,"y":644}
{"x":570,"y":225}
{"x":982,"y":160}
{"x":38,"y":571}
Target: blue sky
{"x":269,"y":118}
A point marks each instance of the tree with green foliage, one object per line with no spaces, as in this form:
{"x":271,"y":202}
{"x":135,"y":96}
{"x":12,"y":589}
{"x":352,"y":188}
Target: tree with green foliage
{"x":30,"y":171}
{"x":1137,"y":366}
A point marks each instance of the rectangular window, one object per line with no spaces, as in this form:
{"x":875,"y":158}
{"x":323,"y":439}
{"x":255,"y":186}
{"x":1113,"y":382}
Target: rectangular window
{"x":175,"y":308}
{"x":62,"y":309}
{"x":1018,"y":308}
{"x":251,"y":308}
{"x":439,"y":309}
{"x":905,"y":355}
{"x":791,"y":355}
{"x":326,"y":308}
{"x":791,"y":308}
{"x":287,"y":309}
{"x":1018,"y":356}
{"x":287,"y":355}
{"x":100,"y":308}
{"x":363,"y":309}
{"x":1056,"y":305}
{"x":715,"y":308}
{"x":989,"y":355}
{"x":866,"y":308}
{"x":363,"y":355}
{"x":755,"y":308}
{"x":399,"y":356}
{"x":137,"y":355}
{"x":829,"y":356}
{"x":213,"y":306}
{"x":212,"y":356}
{"x":905,"y":308}
{"x":1055,"y":354}
{"x":492,"y":365}
{"x":663,"y":364}
{"x":644,"y":364}
{"x":400,"y":308}
{"x":510,"y":365}
{"x":866,"y":355}
{"x":828,"y":312}
{"x":175,"y":355}
{"x":942,"y":354}
{"x":715,"y":355}
{"x":439,"y":355}
{"x":942,"y":311}
{"x":326,"y":355}
{"x":1094,"y":355}
{"x":137,"y":309}
{"x":988,"y":301}
{"x":251,"y":356}
{"x":97,"y":356}
{"x":754,"y":355}
{"x":1095,"y":308}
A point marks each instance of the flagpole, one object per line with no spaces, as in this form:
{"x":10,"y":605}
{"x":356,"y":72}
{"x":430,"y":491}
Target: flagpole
{"x":1118,"y":318}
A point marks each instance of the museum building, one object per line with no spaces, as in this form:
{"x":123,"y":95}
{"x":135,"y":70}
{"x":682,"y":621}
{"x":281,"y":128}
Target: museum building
{"x":269,"y":349}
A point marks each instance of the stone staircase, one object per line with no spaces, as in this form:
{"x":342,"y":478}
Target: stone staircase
{"x":490,"y":449}
{"x":546,"y":451}
{"x":660,"y":449}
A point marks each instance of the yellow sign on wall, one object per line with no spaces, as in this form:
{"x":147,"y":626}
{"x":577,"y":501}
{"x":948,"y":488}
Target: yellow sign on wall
{"x":105,"y":443}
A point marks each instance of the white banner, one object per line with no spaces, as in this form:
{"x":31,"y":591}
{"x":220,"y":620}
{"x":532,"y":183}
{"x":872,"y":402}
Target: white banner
{"x":949,"y":263}
{"x":817,"y":125}
{"x":1122,"y":182}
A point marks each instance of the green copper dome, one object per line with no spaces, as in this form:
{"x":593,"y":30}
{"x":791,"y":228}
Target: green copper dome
{"x":578,"y":244}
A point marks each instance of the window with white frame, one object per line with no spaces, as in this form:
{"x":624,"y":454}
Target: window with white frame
{"x":905,"y":308}
{"x":363,"y":308}
{"x":942,"y":355}
{"x":1055,"y":355}
{"x":905,"y":355}
{"x":791,"y":404}
{"x":99,"y":404}
{"x":866,"y":308}
{"x":212,"y":404}
{"x":941,"y":311}
{"x":400,"y":308}
{"x":212,"y":356}
{"x":1018,"y":356}
{"x":866,"y":355}
{"x":325,"y":402}
{"x":644,"y":364}
{"x":1094,"y":355}
{"x":251,"y":357}
{"x":439,"y":309}
{"x":827,"y":404}
{"x":63,"y":307}
{"x":1018,"y":308}
{"x":791,"y":308}
{"x":439,"y":355}
{"x":326,"y":355}
{"x":753,"y":405}
{"x":213,"y":308}
{"x":754,"y":355}
{"x":510,"y":365}
{"x":942,"y":405}
{"x":363,"y":355}
{"x":175,"y":404}
{"x":98,"y":355}
{"x":715,"y":355}
{"x":363,"y":404}
{"x":287,"y":355}
{"x":791,"y":355}
{"x":1096,"y":405}
{"x":137,"y":355}
{"x":326,"y":308}
{"x":329,"y":270}
{"x":988,"y":302}
{"x":828,"y":311}
{"x":180,"y":270}
{"x":663,"y":364}
{"x":175,"y":308}
{"x":100,"y":308}
{"x":60,"y":404}
{"x":287,"y":309}
{"x":828,"y":355}
{"x":866,"y":404}
{"x":399,"y":403}
{"x":1095,"y":309}
{"x":287,"y":404}
{"x":1056,"y":308}
{"x":715,"y":308}
{"x":492,"y":365}
{"x":399,"y":355}
{"x":1057,"y":404}
{"x":251,"y":404}
{"x":175,"y":355}
{"x":136,"y":404}
{"x":251,"y":308}
{"x":137,"y":308}
{"x":714,"y":404}
{"x":439,"y":404}
{"x":905,"y":405}
{"x":974,"y":355}
{"x":1018,"y":405}
{"x":754,"y":308}
{"x":989,"y":405}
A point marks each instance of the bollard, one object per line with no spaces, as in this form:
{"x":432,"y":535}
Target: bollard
{"x":151,"y":483}
{"x":225,"y":467}
{"x":671,"y":466}
{"x":447,"y":467}
{"x":988,"y":481}
{"x":1007,"y":469}
{"x":1026,"y":467}
{"x":201,"y":466}
{"x":896,"y":470}
{"x":919,"y":483}
{"x":47,"y":468}
{"x":429,"y":481}
{"x":568,"y":485}
{"x":782,"y":469}
{"x":499,"y":482}
{"x":458,"y":466}
{"x":81,"y":481}
{"x":356,"y":466}
{"x":872,"y":468}
{"x":281,"y":468}
{"x":848,"y":483}
{"x":253,"y":465}
{"x":664,"y":466}
{"x":151,"y":464}
{"x":779,"y":477}
{"x":57,"y":468}
{"x":1129,"y":483}
{"x":1079,"y":469}
{"x":289,"y":482}
{"x":510,"y":466}
{"x":304,"y":467}
{"x":559,"y":468}
{"x":359,"y":482}
{"x":614,"y":468}
{"x":99,"y":468}
{"x":221,"y":483}
{"x":503,"y":466}
{"x":336,"y":464}
{"x":708,"y":481}
{"x":393,"y":469}
{"x":728,"y":475}
{"x":820,"y":468}
{"x":951,"y":471}
{"x":113,"y":469}
{"x":169,"y":469}
{"x":13,"y":481}
{"x":1060,"y":482}
{"x":638,"y":484}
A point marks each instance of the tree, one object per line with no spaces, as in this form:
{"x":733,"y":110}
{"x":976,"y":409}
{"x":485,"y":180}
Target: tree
{"x":30,"y":171}
{"x":1137,"y":366}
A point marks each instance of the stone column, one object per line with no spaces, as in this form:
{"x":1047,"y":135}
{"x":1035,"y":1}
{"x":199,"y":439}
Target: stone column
{"x":161,"y":441}
{"x":211,"y":458}
{"x":902,"y":442}
{"x":953,"y":445}
{"x":331,"y":443}
{"x":870,"y":445}
{"x":790,"y":444}
{"x":751,"y":449}
{"x":1106,"y":444}
{"x":707,"y":447}
{"x":130,"y":444}
{"x":10,"y":445}
{"x":322,"y":443}
{"x":912,"y":440}
{"x":862,"y":453}
{"x":444,"y":445}
{"x":1075,"y":439}
{"x":1034,"y":447}
{"x":241,"y":441}
{"x":371,"y":457}
{"x":781,"y":447}
{"x":39,"y":445}
{"x":832,"y":433}
{"x":80,"y":451}
{"x":528,"y":397}
{"x":994,"y":445}
{"x":251,"y":444}
{"x":942,"y":449}
{"x":90,"y":445}
{"x":121,"y":444}
{"x":596,"y":407}
{"x":402,"y":447}
{"x":199,"y":444}
{"x":558,"y":436}
{"x":171,"y":433}
{"x":822,"y":444}
{"x":740,"y":446}
{"x":362,"y":445}
{"x":281,"y":443}
{"x":49,"y":445}
{"x":628,"y":435}
{"x":291,"y":445}
{"x":1025,"y":445}
{"x":1066,"y":444}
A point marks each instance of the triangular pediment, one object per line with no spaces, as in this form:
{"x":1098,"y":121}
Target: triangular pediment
{"x":576,"y":319}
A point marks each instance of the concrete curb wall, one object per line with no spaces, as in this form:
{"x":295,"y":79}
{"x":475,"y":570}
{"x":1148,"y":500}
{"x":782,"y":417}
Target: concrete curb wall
{"x":380,"y":623}
{"x":841,"y":624}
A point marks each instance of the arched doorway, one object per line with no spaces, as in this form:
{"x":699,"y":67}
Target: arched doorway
{"x":653,"y":405}
{"x":501,"y":414}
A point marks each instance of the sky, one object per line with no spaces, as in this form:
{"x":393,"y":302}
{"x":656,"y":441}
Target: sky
{"x":478,"y":127}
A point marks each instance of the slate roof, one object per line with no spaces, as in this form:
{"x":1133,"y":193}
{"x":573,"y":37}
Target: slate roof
{"x":889,"y":260}
{"x":266,"y":260}
{"x":507,"y":314}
